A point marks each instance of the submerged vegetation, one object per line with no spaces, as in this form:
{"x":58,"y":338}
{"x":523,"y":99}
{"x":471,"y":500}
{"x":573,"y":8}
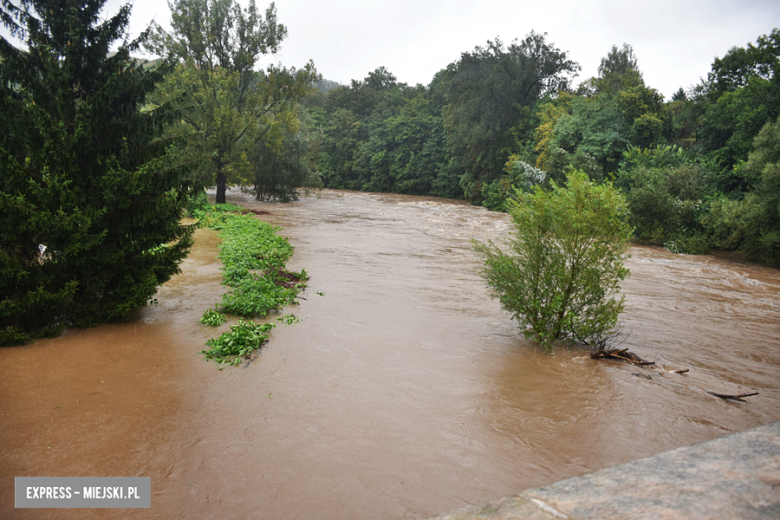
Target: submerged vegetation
{"x":212,"y":318}
{"x":254,"y":259}
{"x":243,"y":339}
{"x":559,"y":275}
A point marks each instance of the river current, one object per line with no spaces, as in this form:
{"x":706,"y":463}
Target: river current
{"x":404,"y":392}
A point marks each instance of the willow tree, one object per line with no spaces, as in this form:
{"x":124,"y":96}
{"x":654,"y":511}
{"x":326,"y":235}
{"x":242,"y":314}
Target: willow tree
{"x":90,"y":198}
{"x":231,"y":107}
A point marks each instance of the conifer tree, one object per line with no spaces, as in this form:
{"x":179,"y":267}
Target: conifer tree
{"x":90,"y":198}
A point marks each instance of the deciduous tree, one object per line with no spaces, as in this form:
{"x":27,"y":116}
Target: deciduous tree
{"x":559,"y":275}
{"x":490,"y":94}
{"x":232,"y":108}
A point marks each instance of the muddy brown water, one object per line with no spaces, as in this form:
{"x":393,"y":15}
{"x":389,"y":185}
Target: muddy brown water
{"x":404,"y":392}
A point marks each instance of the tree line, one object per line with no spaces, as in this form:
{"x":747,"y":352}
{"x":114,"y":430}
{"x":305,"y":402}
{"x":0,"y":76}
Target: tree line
{"x":699,"y":171}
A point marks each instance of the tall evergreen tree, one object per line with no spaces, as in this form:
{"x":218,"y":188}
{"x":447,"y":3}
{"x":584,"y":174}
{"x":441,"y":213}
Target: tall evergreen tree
{"x":618,"y":71}
{"x":91,"y":198}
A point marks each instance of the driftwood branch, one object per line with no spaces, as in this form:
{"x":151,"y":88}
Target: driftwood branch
{"x":622,"y":354}
{"x":732,"y":397}
{"x":249,"y":358}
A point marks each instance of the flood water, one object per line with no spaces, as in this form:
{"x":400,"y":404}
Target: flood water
{"x":404,"y":392}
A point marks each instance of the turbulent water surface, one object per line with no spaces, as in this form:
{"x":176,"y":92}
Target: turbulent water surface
{"x":404,"y":392}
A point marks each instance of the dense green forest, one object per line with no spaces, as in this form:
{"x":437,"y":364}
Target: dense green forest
{"x":700,"y":170}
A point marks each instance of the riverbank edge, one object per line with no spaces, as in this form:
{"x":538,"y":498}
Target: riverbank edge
{"x":735,"y":476}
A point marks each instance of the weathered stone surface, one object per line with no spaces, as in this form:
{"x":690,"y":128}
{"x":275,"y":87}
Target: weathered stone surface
{"x":732,"y":477}
{"x":508,"y":508}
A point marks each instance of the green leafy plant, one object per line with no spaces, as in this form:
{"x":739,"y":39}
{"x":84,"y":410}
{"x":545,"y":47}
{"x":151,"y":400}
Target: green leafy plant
{"x":254,"y":259}
{"x":560,"y":274}
{"x":289,"y":319}
{"x":212,"y":318}
{"x":244,"y":338}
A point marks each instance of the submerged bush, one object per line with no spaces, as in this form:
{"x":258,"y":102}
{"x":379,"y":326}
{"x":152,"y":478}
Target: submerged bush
{"x":559,"y":275}
{"x":244,"y":338}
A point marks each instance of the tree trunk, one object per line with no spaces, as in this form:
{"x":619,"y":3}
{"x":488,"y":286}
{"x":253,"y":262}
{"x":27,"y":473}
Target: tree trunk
{"x":221,"y":184}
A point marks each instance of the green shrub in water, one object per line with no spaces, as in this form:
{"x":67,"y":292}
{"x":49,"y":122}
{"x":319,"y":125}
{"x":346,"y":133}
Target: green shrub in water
{"x":244,"y":338}
{"x":212,"y":318}
{"x":559,"y":275}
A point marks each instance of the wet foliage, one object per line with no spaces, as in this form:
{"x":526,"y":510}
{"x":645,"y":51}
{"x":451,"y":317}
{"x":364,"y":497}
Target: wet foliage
{"x":559,"y":275}
{"x":244,"y":338}
{"x":212,"y":318}
{"x":254,"y":259}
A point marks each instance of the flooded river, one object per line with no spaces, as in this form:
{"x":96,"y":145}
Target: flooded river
{"x":404,"y":392}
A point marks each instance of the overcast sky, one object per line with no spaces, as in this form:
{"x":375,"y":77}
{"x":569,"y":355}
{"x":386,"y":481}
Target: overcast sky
{"x":675,"y":42}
